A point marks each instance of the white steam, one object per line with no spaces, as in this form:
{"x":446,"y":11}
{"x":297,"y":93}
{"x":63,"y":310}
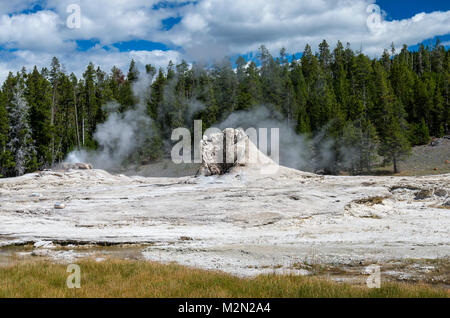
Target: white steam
{"x":121,"y":134}
{"x":296,"y":151}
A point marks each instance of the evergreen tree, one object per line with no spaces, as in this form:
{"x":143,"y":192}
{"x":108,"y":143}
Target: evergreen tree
{"x":6,"y":160}
{"x":133,"y":72}
{"x":39,"y":97}
{"x":354,"y":107}
{"x":249,"y":90}
{"x":289,"y":100}
{"x":156,"y":95}
{"x":67,"y":118}
{"x":325,"y":59}
{"x":359,"y":99}
{"x":54,"y":75}
{"x":395,"y":146}
{"x":369,"y":146}
{"x":225,"y":85}
{"x":419,"y":133}
{"x":389,"y":117}
{"x":350,"y":145}
{"x":89,"y":105}
{"x":21,"y":143}
{"x":300,"y":94}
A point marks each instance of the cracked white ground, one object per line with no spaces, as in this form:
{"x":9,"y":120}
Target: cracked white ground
{"x":243,"y":222}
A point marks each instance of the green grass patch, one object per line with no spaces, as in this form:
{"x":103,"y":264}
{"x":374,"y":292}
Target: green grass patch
{"x":118,"y":278}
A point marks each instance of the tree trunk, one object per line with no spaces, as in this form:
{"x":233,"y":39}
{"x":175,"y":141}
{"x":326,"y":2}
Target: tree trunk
{"x":82,"y":127}
{"x":395,"y":165}
{"x":76,"y":120}
{"x":52,"y":123}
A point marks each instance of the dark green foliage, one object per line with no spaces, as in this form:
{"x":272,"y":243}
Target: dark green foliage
{"x":39,"y":98}
{"x":361,"y":110}
{"x":6,"y":160}
{"x":419,"y":133}
{"x":395,"y":145}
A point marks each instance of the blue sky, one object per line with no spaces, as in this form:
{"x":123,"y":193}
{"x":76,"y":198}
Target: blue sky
{"x":113,"y":32}
{"x":403,"y":9}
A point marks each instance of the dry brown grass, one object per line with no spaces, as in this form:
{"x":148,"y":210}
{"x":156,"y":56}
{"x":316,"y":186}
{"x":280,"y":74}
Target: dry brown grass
{"x":372,"y":200}
{"x":117,"y":278}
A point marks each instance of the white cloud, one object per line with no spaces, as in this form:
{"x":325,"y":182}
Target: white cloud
{"x":209,"y":28}
{"x":8,"y":7}
{"x":239,"y":26}
{"x":108,"y":21}
{"x":112,"y":21}
{"x":34,"y":31}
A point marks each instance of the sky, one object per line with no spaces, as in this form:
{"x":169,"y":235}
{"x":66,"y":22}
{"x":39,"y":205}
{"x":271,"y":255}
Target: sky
{"x":112,"y":32}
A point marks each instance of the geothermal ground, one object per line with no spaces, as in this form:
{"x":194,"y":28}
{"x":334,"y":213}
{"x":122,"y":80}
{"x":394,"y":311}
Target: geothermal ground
{"x":244,"y":222}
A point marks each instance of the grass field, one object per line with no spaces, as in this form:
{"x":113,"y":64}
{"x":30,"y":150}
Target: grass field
{"x":118,"y":278}
{"x":424,"y":160}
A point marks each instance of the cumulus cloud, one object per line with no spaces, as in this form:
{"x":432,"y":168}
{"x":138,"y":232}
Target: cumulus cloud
{"x":33,"y":38}
{"x":208,"y":28}
{"x":112,"y":21}
{"x":35,"y":31}
{"x":240,"y":26}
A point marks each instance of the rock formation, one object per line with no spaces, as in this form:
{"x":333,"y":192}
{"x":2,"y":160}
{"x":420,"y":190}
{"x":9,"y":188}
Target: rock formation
{"x":223,"y":151}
